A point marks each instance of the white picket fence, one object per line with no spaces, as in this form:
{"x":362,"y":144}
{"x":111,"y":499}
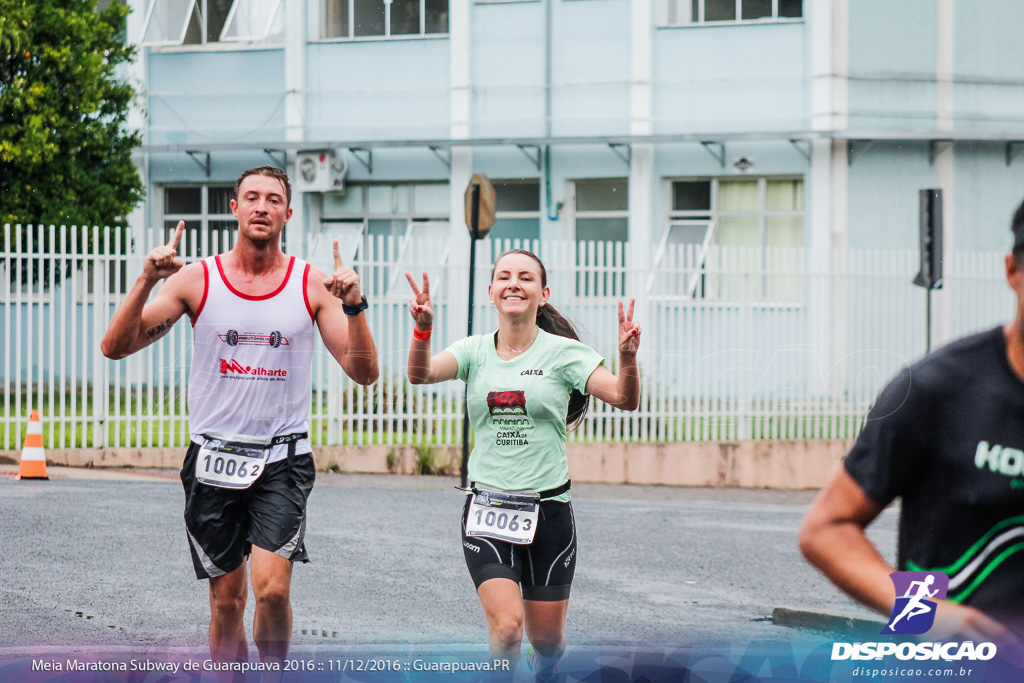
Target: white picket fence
{"x":738,"y":343}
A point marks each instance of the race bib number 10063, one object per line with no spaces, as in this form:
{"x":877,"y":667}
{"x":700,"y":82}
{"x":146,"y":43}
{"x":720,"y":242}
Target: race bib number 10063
{"x":503,"y":517}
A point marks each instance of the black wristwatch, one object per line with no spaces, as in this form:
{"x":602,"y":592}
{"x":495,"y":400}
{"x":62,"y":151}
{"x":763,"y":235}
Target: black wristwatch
{"x":357,"y":309}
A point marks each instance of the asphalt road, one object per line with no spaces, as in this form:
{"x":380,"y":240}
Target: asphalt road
{"x":104,"y":562}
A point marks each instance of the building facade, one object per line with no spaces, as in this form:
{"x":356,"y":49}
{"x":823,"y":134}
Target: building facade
{"x":758,"y":124}
{"x":786,"y":123}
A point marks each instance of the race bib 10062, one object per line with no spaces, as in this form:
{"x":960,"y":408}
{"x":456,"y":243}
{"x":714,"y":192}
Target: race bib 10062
{"x":503,"y":515}
{"x":231,"y":464}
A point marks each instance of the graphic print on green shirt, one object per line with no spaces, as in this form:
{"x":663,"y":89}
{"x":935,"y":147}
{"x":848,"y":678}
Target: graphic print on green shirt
{"x":517,"y":408}
{"x":508,"y":411}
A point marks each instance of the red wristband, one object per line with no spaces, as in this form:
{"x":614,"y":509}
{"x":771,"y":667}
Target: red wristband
{"x":422,"y":335}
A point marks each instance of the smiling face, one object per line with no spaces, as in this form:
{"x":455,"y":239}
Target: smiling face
{"x":517,"y":286}
{"x":261,"y":208}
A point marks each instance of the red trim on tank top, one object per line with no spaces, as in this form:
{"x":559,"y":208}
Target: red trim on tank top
{"x":305,"y":292}
{"x":206,"y":290}
{"x":250,"y":297}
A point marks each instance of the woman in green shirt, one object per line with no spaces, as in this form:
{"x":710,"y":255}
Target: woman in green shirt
{"x":526,"y":382}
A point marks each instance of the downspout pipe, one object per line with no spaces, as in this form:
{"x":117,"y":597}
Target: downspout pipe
{"x":552,"y":208}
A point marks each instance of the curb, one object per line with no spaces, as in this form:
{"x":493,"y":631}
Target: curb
{"x":832,"y":621}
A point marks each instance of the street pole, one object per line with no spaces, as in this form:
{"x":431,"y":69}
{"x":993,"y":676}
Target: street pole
{"x":474,"y":230}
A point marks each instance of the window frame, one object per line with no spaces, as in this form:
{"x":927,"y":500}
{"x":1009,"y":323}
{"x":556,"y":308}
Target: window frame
{"x":520,"y":215}
{"x":200,"y":7}
{"x":697,"y":277}
{"x":412,"y":217}
{"x":320,"y":27}
{"x":596,"y":213}
{"x":205,"y":217}
{"x":611,"y":281}
{"x":713,"y":215}
{"x":278,"y":9}
{"x":670,"y":7}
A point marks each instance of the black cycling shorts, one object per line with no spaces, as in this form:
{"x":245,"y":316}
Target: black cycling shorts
{"x":224,"y":524}
{"x":544,"y":569}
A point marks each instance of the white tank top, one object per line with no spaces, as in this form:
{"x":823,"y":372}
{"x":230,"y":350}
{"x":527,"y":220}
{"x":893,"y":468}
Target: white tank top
{"x":251,"y":366}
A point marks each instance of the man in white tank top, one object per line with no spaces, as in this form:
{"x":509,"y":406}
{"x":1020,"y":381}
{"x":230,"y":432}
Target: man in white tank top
{"x":249,"y":470}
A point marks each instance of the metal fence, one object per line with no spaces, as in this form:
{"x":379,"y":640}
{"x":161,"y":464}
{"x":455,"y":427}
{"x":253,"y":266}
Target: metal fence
{"x":738,"y":343}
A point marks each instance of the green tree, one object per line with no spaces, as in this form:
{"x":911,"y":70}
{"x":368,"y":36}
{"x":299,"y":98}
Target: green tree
{"x":65,"y":156}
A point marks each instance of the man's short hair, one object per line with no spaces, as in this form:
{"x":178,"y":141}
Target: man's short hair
{"x":270,"y":172}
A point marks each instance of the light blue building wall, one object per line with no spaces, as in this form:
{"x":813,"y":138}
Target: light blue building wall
{"x":216,"y":97}
{"x":737,"y":78}
{"x":989,"y":63}
{"x":624,"y":71}
{"x":591,"y":67}
{"x":377,"y":90}
{"x":988,"y":191}
{"x":508,"y":71}
{"x":892,"y":64}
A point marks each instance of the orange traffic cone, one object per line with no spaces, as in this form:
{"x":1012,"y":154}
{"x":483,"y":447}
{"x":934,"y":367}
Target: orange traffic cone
{"x":33,"y":458}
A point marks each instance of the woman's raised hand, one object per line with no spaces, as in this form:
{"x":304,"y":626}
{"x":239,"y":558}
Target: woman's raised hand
{"x":629,"y":333}
{"x":419,"y":306}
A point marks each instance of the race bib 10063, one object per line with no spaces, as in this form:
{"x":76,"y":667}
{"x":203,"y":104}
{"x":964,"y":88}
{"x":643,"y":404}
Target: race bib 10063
{"x":503,"y":515}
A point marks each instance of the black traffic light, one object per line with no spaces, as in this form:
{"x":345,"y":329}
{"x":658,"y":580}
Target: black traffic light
{"x":930,"y":243}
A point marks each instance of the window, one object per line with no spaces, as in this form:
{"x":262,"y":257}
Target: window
{"x":766,"y":213}
{"x":601,"y":209}
{"x":405,"y":225}
{"x":210,"y":227}
{"x":690,"y":12}
{"x":516,"y":210}
{"x":380,"y":18}
{"x":200,"y":22}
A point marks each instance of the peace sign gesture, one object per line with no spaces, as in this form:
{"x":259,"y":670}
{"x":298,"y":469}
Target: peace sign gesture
{"x":629,"y":334}
{"x":163,"y":261}
{"x":344,"y":283}
{"x":419,"y":306}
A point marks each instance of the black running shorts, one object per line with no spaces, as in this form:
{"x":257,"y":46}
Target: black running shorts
{"x":223,"y":524}
{"x":544,"y":568}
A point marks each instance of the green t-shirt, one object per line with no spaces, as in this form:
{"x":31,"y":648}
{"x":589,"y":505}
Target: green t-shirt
{"x":517,"y":408}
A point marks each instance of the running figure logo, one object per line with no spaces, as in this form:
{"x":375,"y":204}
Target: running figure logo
{"x":916,"y":592}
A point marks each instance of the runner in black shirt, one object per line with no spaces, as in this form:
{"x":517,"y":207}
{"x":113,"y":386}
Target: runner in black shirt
{"x":946,"y":436}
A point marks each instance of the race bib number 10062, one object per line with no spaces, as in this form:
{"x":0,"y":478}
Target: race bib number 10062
{"x":230,"y":465}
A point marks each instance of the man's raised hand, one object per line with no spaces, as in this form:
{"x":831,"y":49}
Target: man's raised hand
{"x":344,"y":283}
{"x":419,"y":306}
{"x":163,"y":261}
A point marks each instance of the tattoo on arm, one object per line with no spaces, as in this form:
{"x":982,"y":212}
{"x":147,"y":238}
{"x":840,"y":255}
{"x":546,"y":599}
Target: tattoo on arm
{"x":159,"y":330}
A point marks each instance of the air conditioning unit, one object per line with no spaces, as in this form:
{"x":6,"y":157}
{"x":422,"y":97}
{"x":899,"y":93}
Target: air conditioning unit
{"x":320,"y":170}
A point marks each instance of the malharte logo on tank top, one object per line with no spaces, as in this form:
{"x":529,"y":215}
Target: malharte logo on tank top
{"x":232,"y":369}
{"x":508,"y":410}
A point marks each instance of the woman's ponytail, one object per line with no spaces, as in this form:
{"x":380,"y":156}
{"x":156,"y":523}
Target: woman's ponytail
{"x":552,"y":321}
